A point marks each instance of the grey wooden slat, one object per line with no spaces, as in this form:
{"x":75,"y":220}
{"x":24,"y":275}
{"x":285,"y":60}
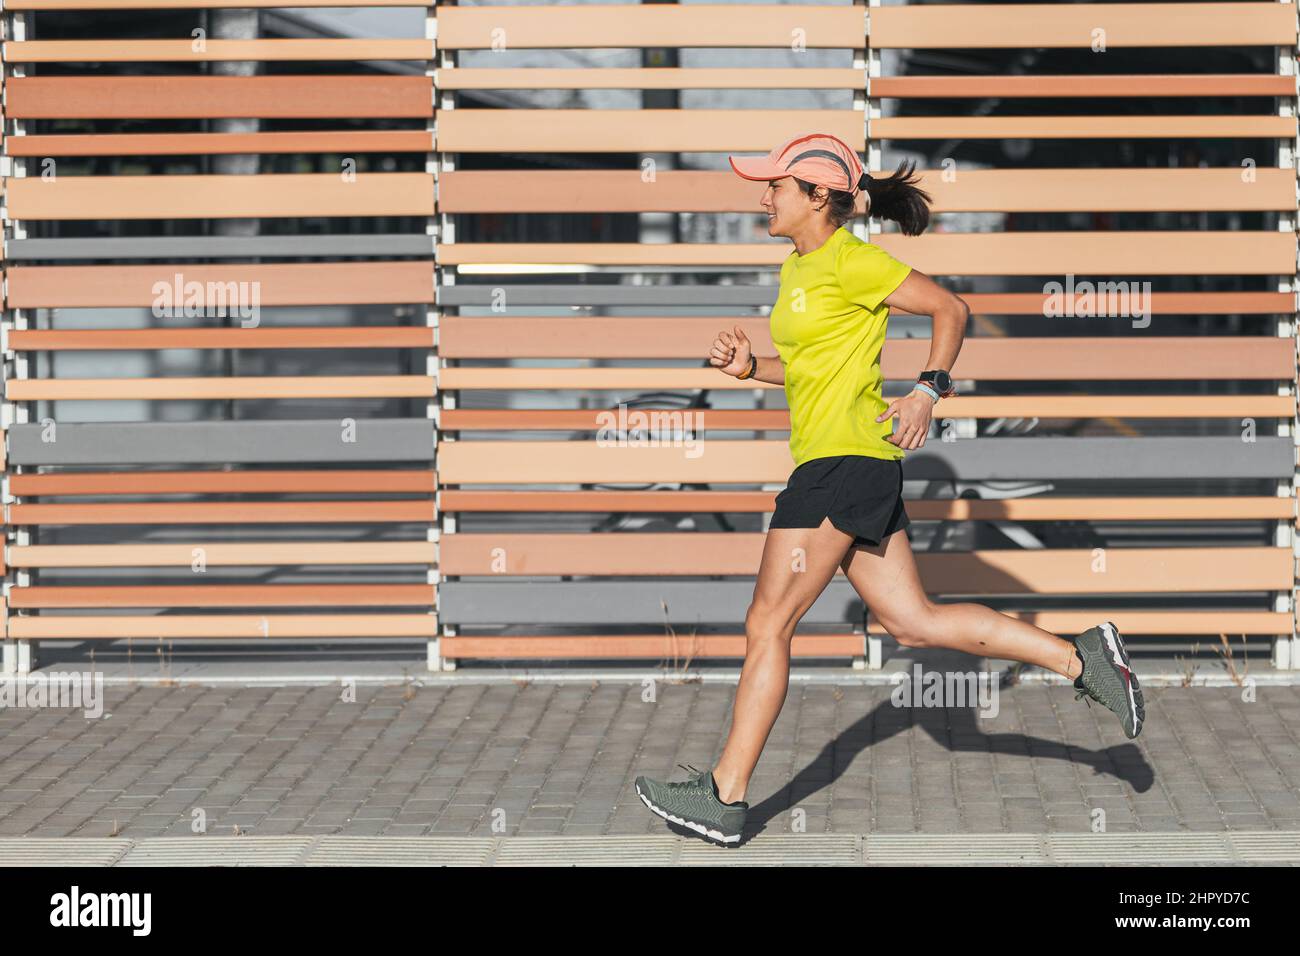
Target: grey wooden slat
{"x":1170,"y":458}
{"x":630,"y":602}
{"x":216,"y":247}
{"x":685,"y":296}
{"x":378,"y":439}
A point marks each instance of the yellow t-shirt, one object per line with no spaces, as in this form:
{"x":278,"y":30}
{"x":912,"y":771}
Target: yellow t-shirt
{"x":828,"y":324}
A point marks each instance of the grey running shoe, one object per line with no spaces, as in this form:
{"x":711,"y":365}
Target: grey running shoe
{"x":694,"y":804}
{"x":1107,"y":677}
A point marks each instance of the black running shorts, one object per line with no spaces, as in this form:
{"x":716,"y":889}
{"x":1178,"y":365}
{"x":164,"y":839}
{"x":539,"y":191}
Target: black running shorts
{"x":863,"y":496}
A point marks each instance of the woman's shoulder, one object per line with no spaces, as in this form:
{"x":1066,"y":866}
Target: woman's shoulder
{"x":858,"y":254}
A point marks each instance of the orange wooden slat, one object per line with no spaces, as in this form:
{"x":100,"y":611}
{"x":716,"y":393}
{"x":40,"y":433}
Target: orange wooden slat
{"x":985,"y":358}
{"x":974,"y":190}
{"x":1211,"y":508}
{"x":1112,"y":254}
{"x":187,"y":144}
{"x":219,"y":196}
{"x":217,"y":553}
{"x":251,"y":626}
{"x":242,"y":512}
{"x":236,"y":387}
{"x":361,"y":337}
{"x":176,"y":97}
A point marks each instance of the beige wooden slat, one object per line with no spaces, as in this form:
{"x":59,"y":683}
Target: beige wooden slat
{"x":221,"y":196}
{"x":1052,"y":571}
{"x":252,"y":626}
{"x":1077,"y":26}
{"x":183,"y":51}
{"x":650,"y":78}
{"x":974,"y":190}
{"x":635,"y":131}
{"x":271,"y":386}
{"x":1112,"y":254}
{"x":817,"y":26}
{"x":1213,"y":624}
{"x":698,"y":646}
{"x":217,"y":553}
{"x":684,"y":648}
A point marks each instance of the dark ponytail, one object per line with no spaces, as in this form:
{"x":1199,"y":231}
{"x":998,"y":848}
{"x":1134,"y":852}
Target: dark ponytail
{"x":895,"y":197}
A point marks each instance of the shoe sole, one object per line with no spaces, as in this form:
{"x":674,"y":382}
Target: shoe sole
{"x":1117,"y":656}
{"x":716,"y":836}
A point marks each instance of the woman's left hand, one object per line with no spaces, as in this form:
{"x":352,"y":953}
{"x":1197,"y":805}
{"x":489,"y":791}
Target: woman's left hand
{"x":913,"y":412}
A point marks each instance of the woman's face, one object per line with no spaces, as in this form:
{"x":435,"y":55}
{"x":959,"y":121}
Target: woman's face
{"x":788,"y":207}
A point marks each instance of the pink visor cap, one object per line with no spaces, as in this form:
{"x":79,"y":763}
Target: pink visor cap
{"x":814,"y":157}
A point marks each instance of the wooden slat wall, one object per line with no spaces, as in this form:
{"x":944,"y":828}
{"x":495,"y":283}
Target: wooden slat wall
{"x":312,"y":550}
{"x":492,"y":385}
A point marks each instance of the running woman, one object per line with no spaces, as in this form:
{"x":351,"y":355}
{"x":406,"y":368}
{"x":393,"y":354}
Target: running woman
{"x":842,"y":506}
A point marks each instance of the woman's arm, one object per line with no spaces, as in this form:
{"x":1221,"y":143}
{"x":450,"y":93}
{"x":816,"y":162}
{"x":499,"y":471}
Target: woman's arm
{"x":771,"y":370}
{"x":921,"y":295}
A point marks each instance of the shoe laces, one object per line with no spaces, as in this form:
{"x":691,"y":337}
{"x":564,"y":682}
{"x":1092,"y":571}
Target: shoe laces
{"x":694,"y":781}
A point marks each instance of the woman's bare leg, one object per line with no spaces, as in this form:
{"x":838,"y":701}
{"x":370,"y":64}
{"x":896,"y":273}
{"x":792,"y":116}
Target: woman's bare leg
{"x":885,"y":577}
{"x":797,"y":565}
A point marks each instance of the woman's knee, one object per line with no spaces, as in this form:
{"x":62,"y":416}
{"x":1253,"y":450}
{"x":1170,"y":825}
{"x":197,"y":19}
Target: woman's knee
{"x":914,"y":626}
{"x":768,"y":621}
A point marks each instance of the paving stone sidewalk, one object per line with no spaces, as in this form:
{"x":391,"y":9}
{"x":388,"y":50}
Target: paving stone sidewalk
{"x":559,"y":758}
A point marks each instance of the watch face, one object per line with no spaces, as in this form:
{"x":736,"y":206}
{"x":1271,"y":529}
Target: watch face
{"x":943,"y":380}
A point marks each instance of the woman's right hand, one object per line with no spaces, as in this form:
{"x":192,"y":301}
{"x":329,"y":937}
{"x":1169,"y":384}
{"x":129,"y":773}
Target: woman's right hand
{"x":731,"y":352}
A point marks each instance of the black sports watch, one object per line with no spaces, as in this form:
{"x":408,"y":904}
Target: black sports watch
{"x":939,"y":380}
